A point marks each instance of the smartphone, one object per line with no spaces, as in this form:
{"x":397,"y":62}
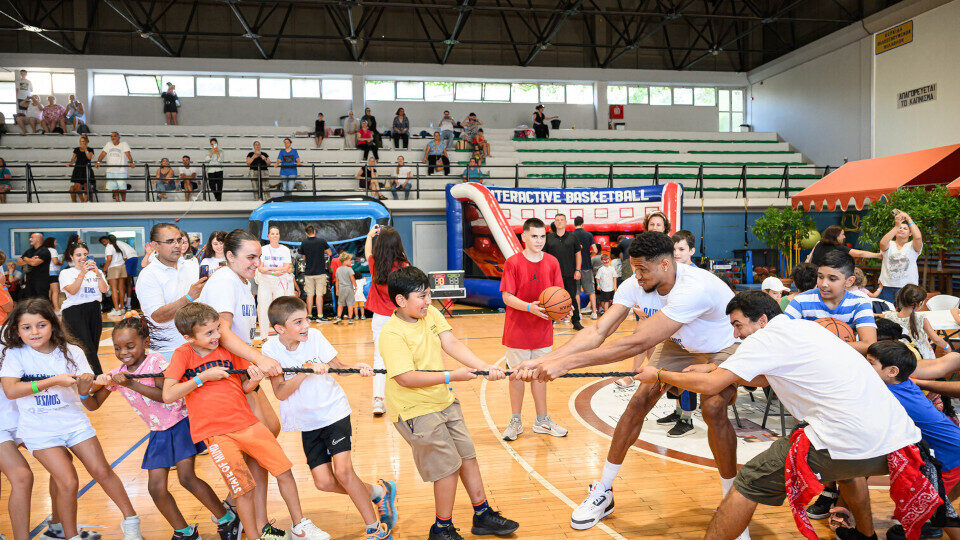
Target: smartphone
{"x":894,"y":212}
{"x":204,"y":271}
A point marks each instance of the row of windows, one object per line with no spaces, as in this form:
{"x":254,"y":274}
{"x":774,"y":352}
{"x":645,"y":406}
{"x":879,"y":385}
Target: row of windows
{"x":469,"y":91}
{"x":44,"y":84}
{"x":726,"y":100}
{"x":117,"y":84}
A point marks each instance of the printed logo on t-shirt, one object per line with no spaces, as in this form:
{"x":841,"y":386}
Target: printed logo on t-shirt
{"x":193,"y":372}
{"x":47,"y":400}
{"x":89,"y":290}
{"x":248,"y":310}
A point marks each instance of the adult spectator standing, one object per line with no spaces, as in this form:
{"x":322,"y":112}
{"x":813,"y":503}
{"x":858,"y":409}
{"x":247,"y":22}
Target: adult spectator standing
{"x":350,"y":128}
{"x":115,"y":268}
{"x":166,"y":285}
{"x":32,"y":114}
{"x":540,"y":120}
{"x":401,"y":129}
{"x":118,"y":159}
{"x":171,"y":104}
{"x":52,"y":116}
{"x":472,"y":173}
{"x":84,"y":286}
{"x":435,"y":151}
{"x":319,"y":129}
{"x":402,"y":179}
{"x":316,"y":254}
{"x":900,"y":255}
{"x":371,"y":121}
{"x":5,"y":177}
{"x":259,"y":163}
{"x":24,"y":93}
{"x":274,"y":277}
{"x":288,"y":160}
{"x":446,"y":128}
{"x":214,"y":169}
{"x":36,"y":269}
{"x":471,"y":127}
{"x":587,"y":283}
{"x":82,"y":172}
{"x":367,"y":178}
{"x":56,"y":263}
{"x":365,"y":141}
{"x":565,"y":246}
{"x":832,"y":240}
{"x":623,"y":245}
{"x":188,"y":178}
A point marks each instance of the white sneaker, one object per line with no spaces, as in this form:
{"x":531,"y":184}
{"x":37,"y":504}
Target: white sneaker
{"x":113,"y":313}
{"x":308,"y":531}
{"x":597,"y":505}
{"x":593,"y":316}
{"x":379,"y":408}
{"x":131,"y":528}
{"x":513,"y":430}
{"x":549,"y":427}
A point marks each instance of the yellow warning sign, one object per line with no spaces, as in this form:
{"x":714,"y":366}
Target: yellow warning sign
{"x":895,"y":37}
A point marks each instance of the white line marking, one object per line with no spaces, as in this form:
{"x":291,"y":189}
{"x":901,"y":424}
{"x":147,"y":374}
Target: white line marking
{"x":526,"y":465}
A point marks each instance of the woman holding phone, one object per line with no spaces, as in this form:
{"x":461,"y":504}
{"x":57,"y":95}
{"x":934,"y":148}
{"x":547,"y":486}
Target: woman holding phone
{"x":900,"y":248}
{"x":84,"y":285}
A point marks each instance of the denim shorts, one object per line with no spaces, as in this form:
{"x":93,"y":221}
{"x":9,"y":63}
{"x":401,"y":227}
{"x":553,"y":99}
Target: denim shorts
{"x":68,"y":439}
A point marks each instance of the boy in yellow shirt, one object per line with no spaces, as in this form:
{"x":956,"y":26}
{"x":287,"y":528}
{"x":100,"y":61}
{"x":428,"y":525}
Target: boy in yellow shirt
{"x":425,"y":411}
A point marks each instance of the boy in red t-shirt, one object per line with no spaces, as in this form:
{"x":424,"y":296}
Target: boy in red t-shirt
{"x":527,"y":331}
{"x":221,"y":417}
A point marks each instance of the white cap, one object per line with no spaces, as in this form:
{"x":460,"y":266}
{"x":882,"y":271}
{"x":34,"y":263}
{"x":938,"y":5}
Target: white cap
{"x":774,"y":284}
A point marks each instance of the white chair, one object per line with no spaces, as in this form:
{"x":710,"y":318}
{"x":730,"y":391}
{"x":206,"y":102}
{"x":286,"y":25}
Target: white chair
{"x":943,"y":302}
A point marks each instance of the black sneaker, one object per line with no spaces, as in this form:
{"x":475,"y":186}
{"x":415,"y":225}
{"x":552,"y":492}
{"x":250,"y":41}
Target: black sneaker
{"x":230,"y":530}
{"x":444,"y":533}
{"x":850,"y":533}
{"x":578,"y":327}
{"x":682,"y":428}
{"x":821,"y":508}
{"x":270,"y":532}
{"x":491,"y":522}
{"x":926,"y":531}
{"x":181,"y":536}
{"x":669,"y":419}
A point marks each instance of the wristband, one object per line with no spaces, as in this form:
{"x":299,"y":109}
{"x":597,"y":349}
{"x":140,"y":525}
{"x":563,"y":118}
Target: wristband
{"x":446,"y":377}
{"x":189,"y":298}
{"x":658,"y":375}
{"x":33,"y":386}
{"x":84,"y":397}
{"x":528,"y":307}
{"x":911,"y":223}
{"x":198,"y":381}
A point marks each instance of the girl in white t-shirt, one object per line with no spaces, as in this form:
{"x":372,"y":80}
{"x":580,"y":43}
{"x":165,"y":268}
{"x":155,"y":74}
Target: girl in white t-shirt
{"x":359,"y":298}
{"x":274,"y":277}
{"x":84,"y":285}
{"x":921,"y":332}
{"x":52,"y":421}
{"x":212,"y":257}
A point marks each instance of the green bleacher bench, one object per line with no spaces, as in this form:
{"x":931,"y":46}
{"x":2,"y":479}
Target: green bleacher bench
{"x":648,"y":140}
{"x":679,"y":176}
{"x":741,"y":152}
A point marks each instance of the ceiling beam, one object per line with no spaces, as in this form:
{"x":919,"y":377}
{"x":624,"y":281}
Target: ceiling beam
{"x":144,"y":32}
{"x":248,"y":32}
{"x":676,"y":13}
{"x":465,"y":10}
{"x":40,"y":32}
{"x":544,"y":41}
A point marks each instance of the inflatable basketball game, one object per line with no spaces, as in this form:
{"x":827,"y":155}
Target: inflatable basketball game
{"x":484,"y":223}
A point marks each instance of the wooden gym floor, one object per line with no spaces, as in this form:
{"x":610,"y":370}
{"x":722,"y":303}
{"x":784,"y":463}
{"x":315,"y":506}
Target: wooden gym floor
{"x":536,"y":480}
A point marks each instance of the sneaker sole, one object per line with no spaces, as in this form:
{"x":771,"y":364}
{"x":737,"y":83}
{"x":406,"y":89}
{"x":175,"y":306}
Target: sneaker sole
{"x":476,"y":531}
{"x":547,"y":432}
{"x":818,"y":516}
{"x":684,"y":434}
{"x":582,"y":526}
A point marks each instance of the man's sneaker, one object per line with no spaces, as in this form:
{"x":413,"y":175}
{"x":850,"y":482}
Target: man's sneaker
{"x":593,"y":316}
{"x":669,"y":419}
{"x":270,"y":532}
{"x":230,"y":530}
{"x":308,"y":531}
{"x":84,"y":535}
{"x":597,"y":505}
{"x":387,"y":505}
{"x":849,"y":533}
{"x":193,"y":536}
{"x":131,"y":528}
{"x":444,"y":533}
{"x":821,"y":508}
{"x":926,"y":531}
{"x":379,"y":408}
{"x":336,"y":320}
{"x":381,"y":533}
{"x":513,"y":430}
{"x":549,"y":427}
{"x":491,"y":522}
{"x":578,"y":327}
{"x":682,"y":428}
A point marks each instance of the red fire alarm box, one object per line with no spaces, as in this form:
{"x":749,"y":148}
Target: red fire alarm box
{"x":616,"y":112}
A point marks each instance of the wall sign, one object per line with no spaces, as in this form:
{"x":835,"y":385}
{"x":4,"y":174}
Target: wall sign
{"x":917,"y":96}
{"x":892,"y":38}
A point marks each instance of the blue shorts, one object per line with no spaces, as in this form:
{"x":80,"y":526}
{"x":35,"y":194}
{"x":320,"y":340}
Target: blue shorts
{"x":168,"y":447}
{"x":133,"y":266}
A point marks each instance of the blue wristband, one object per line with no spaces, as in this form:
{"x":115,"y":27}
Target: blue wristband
{"x":528,"y":307}
{"x":198,"y":381}
{"x":446,"y":377}
{"x":189,"y":298}
{"x":85,"y":397}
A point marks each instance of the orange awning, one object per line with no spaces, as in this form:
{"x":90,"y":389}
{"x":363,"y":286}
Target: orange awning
{"x":954,"y":187}
{"x":871,"y":179}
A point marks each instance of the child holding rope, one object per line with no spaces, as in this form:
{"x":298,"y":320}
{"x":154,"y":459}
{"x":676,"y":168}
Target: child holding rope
{"x":170,"y":444}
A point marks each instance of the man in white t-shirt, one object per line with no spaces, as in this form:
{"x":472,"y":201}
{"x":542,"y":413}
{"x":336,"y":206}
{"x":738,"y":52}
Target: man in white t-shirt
{"x":820,"y":380}
{"x":118,"y":158}
{"x":166,"y":286}
{"x":188,"y":178}
{"x":691,"y":325}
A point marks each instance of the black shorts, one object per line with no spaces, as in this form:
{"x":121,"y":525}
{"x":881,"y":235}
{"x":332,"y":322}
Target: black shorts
{"x":320,"y":445}
{"x":169,"y":108}
{"x":605,"y":296}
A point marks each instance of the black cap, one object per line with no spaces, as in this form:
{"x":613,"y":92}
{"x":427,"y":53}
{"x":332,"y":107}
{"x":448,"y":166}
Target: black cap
{"x":538,"y":107}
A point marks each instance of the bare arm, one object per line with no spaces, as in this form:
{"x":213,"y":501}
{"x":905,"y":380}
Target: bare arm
{"x":709,"y":384}
{"x":936,"y":338}
{"x":944,"y":388}
{"x":533,"y":307}
{"x":15,"y":389}
{"x":239,"y":347}
{"x":865,"y":254}
{"x":885,"y":241}
{"x":867,"y":335}
{"x":165,"y":313}
{"x":74,"y":287}
{"x":283,"y":389}
{"x":592,"y":336}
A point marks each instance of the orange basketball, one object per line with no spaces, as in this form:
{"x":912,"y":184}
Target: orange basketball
{"x":839,"y":328}
{"x":555,"y":302}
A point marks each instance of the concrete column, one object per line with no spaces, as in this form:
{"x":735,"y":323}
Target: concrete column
{"x":601,"y":110}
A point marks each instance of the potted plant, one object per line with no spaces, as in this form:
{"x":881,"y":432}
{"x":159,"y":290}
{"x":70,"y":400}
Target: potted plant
{"x":782,"y":229}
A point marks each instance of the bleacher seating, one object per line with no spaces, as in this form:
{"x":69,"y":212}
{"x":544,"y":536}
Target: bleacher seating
{"x":572,"y":158}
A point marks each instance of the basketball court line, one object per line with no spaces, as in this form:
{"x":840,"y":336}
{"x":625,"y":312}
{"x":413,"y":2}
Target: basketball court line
{"x":526,"y":465}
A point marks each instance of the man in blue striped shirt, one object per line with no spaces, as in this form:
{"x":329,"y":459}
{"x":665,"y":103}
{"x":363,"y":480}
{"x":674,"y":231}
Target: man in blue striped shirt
{"x":831,"y":299}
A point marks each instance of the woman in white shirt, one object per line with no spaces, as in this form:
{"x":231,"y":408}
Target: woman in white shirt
{"x":84,"y":286}
{"x":55,"y":264}
{"x":212,"y":256}
{"x":900,"y":255}
{"x":274,"y":277}
{"x":115,"y":268}
{"x":401,"y":181}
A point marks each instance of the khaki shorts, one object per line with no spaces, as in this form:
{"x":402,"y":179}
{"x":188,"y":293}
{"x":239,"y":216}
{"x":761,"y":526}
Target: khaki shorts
{"x":762,"y":479}
{"x":256,"y":441}
{"x":516,"y":356}
{"x":315,"y":285}
{"x":672,"y":357}
{"x":440,"y":442}
{"x":117,"y":272}
{"x":586,"y":281}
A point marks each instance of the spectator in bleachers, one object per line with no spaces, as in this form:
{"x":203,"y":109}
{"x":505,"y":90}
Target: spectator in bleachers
{"x":472,"y":173}
{"x":171,"y":104}
{"x":540,"y":120}
{"x":365,"y":140}
{"x":288,"y":159}
{"x":76,"y":115}
{"x":481,"y":145}
{"x":350,"y":128}
{"x":164,"y":181}
{"x":367,"y":176}
{"x":371,"y":121}
{"x":52,"y":116}
{"x":118,"y":155}
{"x":188,"y":178}
{"x":436,"y":150}
{"x":401,"y":180}
{"x":471,"y":126}
{"x":82,"y":172}
{"x":5,"y":177}
{"x":319,"y":129}
{"x":215,"y":169}
{"x":259,"y":163}
{"x":31,"y":115}
{"x":401,"y":129}
{"x":24,"y":93}
{"x":446,"y":128}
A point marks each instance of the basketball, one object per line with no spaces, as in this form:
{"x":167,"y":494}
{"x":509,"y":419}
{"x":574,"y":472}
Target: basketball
{"x":839,"y":328}
{"x":555,"y":302}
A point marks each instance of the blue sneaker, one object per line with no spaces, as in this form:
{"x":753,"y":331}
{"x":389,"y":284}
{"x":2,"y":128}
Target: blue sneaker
{"x":387,"y":505}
